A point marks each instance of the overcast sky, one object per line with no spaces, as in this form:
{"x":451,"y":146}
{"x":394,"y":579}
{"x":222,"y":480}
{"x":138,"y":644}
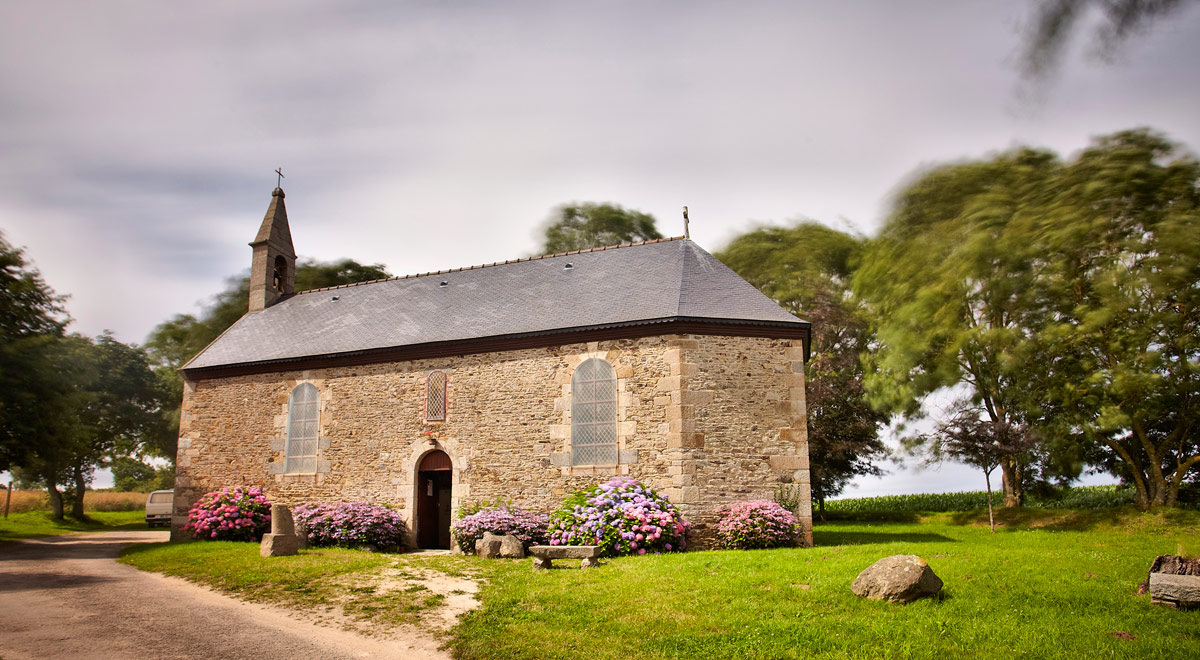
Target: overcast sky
{"x":138,"y":139}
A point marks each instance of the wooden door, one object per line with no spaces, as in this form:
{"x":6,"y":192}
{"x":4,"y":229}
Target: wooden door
{"x":433,"y":501}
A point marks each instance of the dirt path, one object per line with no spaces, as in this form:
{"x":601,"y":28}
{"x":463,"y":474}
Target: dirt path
{"x":66,"y":597}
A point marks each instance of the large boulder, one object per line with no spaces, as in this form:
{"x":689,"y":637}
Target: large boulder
{"x":898,"y":579}
{"x":499,"y":545}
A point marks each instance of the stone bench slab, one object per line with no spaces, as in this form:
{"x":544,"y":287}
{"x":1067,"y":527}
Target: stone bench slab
{"x":543,"y":554}
{"x":565,"y":551}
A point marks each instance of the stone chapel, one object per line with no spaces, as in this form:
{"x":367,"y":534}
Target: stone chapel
{"x":513,"y":382}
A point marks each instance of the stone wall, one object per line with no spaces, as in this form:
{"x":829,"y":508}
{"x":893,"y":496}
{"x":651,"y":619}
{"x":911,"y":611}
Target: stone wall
{"x":708,"y":420}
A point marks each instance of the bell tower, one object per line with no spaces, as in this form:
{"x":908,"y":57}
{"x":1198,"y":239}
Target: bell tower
{"x":273,"y":266}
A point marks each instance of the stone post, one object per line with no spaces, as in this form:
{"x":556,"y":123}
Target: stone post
{"x":282,"y":540}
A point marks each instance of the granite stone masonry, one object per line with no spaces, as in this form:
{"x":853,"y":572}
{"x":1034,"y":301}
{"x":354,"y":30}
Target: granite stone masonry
{"x":707,"y":420}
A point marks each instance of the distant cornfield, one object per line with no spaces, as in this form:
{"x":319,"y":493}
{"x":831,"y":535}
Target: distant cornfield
{"x":37,"y":500}
{"x":1083,"y":497}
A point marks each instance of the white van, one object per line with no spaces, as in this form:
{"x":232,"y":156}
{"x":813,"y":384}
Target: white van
{"x":159,"y":507}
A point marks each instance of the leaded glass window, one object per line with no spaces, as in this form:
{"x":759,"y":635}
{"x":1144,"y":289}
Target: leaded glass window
{"x":594,"y":414}
{"x":435,"y":396}
{"x":304,"y":417}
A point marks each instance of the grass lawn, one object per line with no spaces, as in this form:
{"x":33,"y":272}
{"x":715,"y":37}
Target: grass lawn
{"x":1049,"y":584}
{"x":33,"y":524}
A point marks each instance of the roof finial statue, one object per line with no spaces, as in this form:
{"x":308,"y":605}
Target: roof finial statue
{"x":279,"y":181}
{"x":686,"y":233}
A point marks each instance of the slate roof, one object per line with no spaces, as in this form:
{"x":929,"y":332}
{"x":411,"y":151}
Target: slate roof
{"x":642,"y":283}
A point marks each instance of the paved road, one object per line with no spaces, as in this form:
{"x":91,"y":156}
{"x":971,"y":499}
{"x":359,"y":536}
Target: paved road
{"x":66,"y":597}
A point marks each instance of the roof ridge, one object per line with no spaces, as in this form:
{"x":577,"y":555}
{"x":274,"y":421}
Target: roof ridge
{"x":494,"y":263}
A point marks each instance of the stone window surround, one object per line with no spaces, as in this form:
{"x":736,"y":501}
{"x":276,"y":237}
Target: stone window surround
{"x":279,"y":443}
{"x":625,"y":427}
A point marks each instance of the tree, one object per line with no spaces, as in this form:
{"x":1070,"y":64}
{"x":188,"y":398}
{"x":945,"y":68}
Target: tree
{"x":806,"y":268}
{"x":949,"y":281}
{"x":579,"y":226}
{"x":1055,"y":20}
{"x":1062,"y":296}
{"x":970,"y":436}
{"x":136,"y":476}
{"x":31,"y":317}
{"x":107,"y":405}
{"x":1123,"y":350}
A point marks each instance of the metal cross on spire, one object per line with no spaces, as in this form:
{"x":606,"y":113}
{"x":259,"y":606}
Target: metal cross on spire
{"x":686,"y":233}
{"x":279,"y":181}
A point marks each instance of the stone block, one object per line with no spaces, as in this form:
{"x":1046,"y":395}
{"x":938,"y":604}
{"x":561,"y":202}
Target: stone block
{"x":278,"y":444}
{"x":278,"y":545}
{"x":492,"y":546}
{"x":627,"y":456}
{"x":685,"y":426}
{"x":786,"y":462}
{"x":562,"y":459}
{"x":281,"y":521}
{"x":275,"y":467}
{"x":1179,"y":590}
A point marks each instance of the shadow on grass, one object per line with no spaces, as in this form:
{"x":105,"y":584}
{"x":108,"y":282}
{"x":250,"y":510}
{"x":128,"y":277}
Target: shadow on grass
{"x":832,"y":537}
{"x":1065,"y":520}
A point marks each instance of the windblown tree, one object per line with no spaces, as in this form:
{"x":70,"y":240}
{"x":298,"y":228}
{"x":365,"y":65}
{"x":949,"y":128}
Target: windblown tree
{"x":950,"y":284}
{"x":1123,"y":350}
{"x":806,"y":269}
{"x":1054,"y":21}
{"x":1063,"y":296}
{"x":579,"y":226}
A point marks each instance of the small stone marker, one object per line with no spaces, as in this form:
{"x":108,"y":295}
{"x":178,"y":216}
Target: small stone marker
{"x":282,"y":540}
{"x":499,"y":545}
{"x":544,"y":554}
{"x":897,"y":579}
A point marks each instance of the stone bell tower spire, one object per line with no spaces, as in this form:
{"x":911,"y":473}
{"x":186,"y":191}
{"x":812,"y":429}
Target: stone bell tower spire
{"x":273,"y":267}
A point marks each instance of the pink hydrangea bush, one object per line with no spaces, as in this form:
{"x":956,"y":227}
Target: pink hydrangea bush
{"x":623,"y":517}
{"x":230,"y":514}
{"x":757,"y":524}
{"x":351,"y":525}
{"x":528,"y":527}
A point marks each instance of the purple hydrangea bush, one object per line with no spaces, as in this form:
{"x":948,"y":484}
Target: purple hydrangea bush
{"x":230,"y":514}
{"x":757,"y":524}
{"x":621,"y":516}
{"x":528,"y":527}
{"x":350,"y":524}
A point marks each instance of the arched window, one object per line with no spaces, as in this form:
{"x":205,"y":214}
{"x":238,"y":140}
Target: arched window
{"x":304,"y":427}
{"x":594,"y":414}
{"x":435,"y":396}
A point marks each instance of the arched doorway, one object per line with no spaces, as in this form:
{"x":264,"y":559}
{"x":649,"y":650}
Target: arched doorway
{"x":433,"y":500}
